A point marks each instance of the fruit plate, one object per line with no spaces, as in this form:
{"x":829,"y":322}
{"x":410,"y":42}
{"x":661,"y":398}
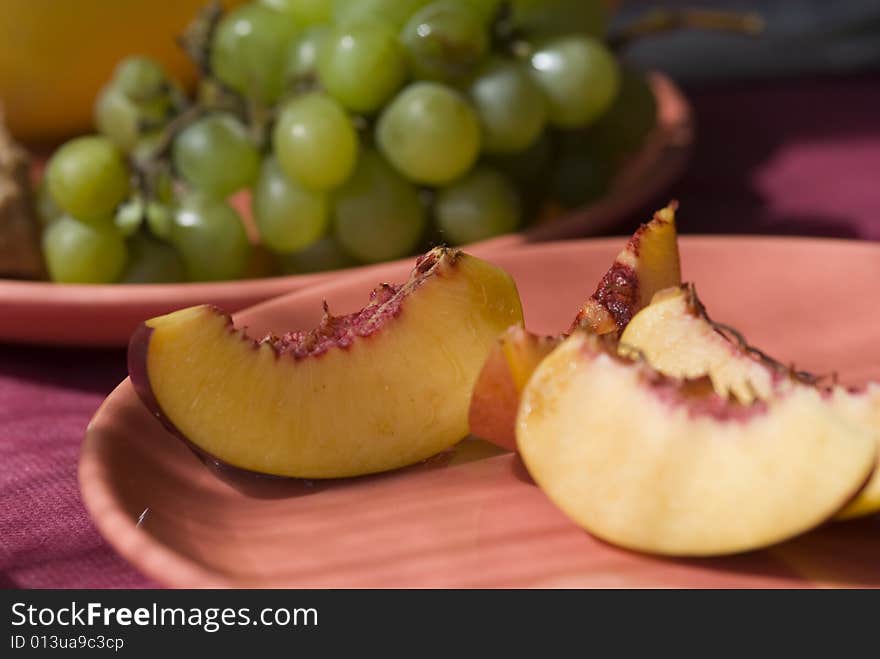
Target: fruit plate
{"x":45,"y":313}
{"x":472,"y":517}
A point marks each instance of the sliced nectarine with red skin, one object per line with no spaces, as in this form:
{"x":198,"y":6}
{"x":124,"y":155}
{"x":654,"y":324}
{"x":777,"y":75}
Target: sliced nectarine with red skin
{"x":496,"y":395}
{"x":668,"y":466}
{"x":376,"y":390}
{"x":678,"y":338}
{"x":649,"y":262}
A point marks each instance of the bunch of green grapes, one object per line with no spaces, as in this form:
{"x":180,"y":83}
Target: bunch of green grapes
{"x":363,"y":131}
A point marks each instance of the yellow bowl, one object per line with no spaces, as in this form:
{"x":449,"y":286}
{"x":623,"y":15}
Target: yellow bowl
{"x":55,"y":56}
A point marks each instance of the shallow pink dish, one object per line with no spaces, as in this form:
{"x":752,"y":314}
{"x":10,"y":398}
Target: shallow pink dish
{"x":40,"y":312}
{"x":472,"y":517}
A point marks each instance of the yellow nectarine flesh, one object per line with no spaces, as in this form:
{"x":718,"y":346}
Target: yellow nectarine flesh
{"x":380,"y":389}
{"x":667,"y":466}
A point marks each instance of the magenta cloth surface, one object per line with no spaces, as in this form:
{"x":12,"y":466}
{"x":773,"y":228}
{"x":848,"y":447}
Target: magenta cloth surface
{"x":794,"y":157}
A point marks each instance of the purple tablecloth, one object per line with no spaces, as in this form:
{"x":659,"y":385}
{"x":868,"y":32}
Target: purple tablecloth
{"x":796,"y":157}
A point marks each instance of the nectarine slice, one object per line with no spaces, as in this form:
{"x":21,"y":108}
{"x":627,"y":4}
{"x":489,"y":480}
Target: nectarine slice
{"x":668,"y":466}
{"x":508,"y":367}
{"x":379,"y":389}
{"x":677,"y":337}
{"x":649,"y":262}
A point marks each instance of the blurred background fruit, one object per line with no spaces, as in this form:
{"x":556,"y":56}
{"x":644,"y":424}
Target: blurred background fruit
{"x":56,"y":55}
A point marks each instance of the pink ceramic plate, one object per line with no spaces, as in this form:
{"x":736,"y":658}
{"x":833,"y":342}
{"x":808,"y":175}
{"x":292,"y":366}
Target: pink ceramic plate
{"x":39,"y":312}
{"x":472,"y":517}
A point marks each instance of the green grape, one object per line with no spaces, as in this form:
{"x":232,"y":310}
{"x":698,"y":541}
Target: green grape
{"x":393,"y":12}
{"x":361,"y":65}
{"x":624,"y":126}
{"x":553,"y":18}
{"x":248,"y":51}
{"x":129,"y":217}
{"x":289,"y":217}
{"x":159,"y":219}
{"x":140,"y":78}
{"x":124,"y":121}
{"x":444,"y":41}
{"x":117,"y":117}
{"x":136,"y":100}
{"x":485,"y":9}
{"x":579,"y":178}
{"x":481,"y":205}
{"x":315,"y":141}
{"x":47,"y":209}
{"x":304,"y":12}
{"x":216,"y":155}
{"x":144,"y":153}
{"x":510,"y":105}
{"x":530,"y":171}
{"x":579,"y":77}
{"x":210,"y":238}
{"x":529,"y":166}
{"x":151,"y":261}
{"x":430,"y":133}
{"x":322,"y":255}
{"x":378,"y":215}
{"x":302,"y":55}
{"x":88,"y":177}
{"x":78,"y":253}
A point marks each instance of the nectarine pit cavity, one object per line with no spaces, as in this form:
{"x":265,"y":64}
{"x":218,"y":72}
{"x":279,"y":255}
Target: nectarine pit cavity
{"x":699,"y":399}
{"x":618,"y":292}
{"x":648,"y":263}
{"x":697,"y":396}
{"x":386,"y":302}
{"x":340,"y":331}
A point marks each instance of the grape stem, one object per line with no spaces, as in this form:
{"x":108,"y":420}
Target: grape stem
{"x":196,"y":39}
{"x":659,"y":21}
{"x":196,"y":43}
{"x":259,"y":118}
{"x":505,"y":35}
{"x":147,"y":169}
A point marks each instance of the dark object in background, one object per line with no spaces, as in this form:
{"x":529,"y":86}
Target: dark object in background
{"x":800,"y":37}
